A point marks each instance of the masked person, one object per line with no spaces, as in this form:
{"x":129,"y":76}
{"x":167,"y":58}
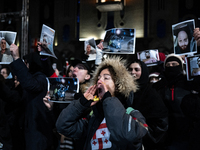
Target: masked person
{"x":111,"y":123}
{"x":175,"y":87}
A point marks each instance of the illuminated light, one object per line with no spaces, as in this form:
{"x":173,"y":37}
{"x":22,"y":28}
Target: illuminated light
{"x":56,"y":42}
{"x":118,"y":31}
{"x":102,"y":35}
{"x":90,"y":37}
{"x":18,"y":43}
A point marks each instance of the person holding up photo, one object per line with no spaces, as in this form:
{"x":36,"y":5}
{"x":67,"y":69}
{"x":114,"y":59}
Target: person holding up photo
{"x":174,"y":87}
{"x":38,"y":125}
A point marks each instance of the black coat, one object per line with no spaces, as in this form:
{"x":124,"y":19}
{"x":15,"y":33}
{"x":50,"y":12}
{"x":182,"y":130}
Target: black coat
{"x":37,"y":125}
{"x":152,"y":107}
{"x":172,"y":93}
{"x":71,"y":124}
{"x":11,"y":133}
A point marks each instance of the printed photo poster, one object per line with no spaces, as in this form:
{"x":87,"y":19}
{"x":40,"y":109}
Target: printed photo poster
{"x":47,"y":38}
{"x":6,"y":39}
{"x":184,"y":42}
{"x":149,"y":57}
{"x":90,"y":49}
{"x":192,"y":66}
{"x":62,"y":89}
{"x":119,"y":41}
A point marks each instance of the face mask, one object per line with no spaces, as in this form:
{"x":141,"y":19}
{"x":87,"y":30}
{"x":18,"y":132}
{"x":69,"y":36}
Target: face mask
{"x":173,"y":72}
{"x":154,"y":81}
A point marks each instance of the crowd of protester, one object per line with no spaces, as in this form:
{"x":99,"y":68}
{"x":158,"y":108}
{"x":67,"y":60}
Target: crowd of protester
{"x":122,"y":104}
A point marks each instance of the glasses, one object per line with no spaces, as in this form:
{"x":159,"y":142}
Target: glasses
{"x":105,"y":77}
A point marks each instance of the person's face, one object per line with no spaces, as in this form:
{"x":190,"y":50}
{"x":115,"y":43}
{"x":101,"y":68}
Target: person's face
{"x":154,"y":79}
{"x":135,"y":70}
{"x":4,"y":73}
{"x":45,"y":43}
{"x":147,"y":54}
{"x":81,"y":73}
{"x":70,"y":73}
{"x":88,"y":48}
{"x":3,"y":44}
{"x":105,"y":79}
{"x":183,"y":40}
{"x":172,"y":64}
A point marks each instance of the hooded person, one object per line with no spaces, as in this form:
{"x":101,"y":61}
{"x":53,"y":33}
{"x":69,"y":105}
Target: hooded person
{"x":175,"y":87}
{"x":150,"y":104}
{"x":38,"y":128}
{"x":110,"y":124}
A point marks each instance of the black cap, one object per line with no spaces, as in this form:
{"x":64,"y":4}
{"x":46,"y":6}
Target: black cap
{"x":74,"y":62}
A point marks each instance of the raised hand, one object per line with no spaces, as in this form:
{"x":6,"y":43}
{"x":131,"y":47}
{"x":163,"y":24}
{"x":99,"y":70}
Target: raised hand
{"x":14,"y":51}
{"x":196,"y":35}
{"x":89,"y":94}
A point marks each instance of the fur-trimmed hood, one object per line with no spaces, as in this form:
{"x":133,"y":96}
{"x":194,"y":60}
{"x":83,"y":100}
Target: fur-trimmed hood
{"x":124,"y":81}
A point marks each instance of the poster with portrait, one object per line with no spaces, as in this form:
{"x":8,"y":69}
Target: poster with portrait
{"x":62,"y":89}
{"x":192,"y":66}
{"x":46,"y":39}
{"x":119,"y":41}
{"x":184,"y":42}
{"x":149,"y":57}
{"x":90,"y":49}
{"x":6,"y":39}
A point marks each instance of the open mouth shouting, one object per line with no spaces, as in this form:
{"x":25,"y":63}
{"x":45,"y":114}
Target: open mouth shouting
{"x":74,"y":75}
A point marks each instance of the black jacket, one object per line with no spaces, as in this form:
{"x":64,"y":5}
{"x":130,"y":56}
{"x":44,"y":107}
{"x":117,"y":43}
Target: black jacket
{"x":148,"y":101}
{"x":125,"y":132}
{"x":37,"y":125}
{"x":172,"y":93}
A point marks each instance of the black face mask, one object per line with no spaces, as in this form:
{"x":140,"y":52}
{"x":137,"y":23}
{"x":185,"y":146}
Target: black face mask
{"x":172,"y":73}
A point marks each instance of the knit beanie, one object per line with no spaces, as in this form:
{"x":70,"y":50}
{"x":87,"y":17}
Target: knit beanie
{"x":173,"y":57}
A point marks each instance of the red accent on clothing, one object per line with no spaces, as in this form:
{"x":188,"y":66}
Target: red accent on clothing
{"x":100,"y":143}
{"x":106,"y":141}
{"x":103,"y":132}
{"x":94,"y":136}
{"x":172,"y":89}
{"x":94,"y":142}
{"x":53,"y":75}
{"x":145,"y":125}
{"x":134,"y":118}
{"x":161,"y":56}
{"x":103,"y":125}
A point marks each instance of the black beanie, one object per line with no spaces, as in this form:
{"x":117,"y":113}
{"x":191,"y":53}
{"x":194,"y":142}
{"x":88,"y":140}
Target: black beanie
{"x":173,"y":57}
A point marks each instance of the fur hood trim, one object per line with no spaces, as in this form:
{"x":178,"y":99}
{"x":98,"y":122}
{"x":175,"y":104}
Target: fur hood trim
{"x":124,"y":81}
